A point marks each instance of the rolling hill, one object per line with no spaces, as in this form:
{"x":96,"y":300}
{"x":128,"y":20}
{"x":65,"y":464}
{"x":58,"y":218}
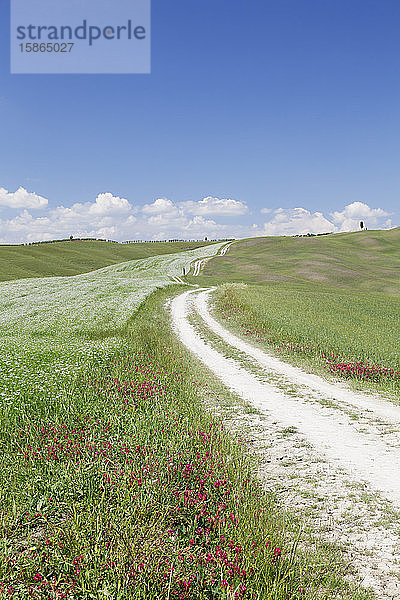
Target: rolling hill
{"x":364,"y":260}
{"x":78,"y":256}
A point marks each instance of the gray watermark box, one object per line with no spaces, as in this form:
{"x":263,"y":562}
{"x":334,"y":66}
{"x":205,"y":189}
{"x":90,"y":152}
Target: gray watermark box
{"x":80,"y":36}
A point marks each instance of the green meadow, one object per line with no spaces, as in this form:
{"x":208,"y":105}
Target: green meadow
{"x":116,"y":481}
{"x":72,"y":257}
{"x":314,"y":298}
{"x":367,"y":261}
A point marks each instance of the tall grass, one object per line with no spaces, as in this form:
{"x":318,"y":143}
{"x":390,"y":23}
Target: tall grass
{"x":115,"y":481}
{"x":126,"y":487}
{"x":351,"y":334}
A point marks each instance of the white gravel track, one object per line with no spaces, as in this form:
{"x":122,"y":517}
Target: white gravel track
{"x":338,"y":392}
{"x":366,"y":456}
{"x":199,"y":264}
{"x":340,"y":468}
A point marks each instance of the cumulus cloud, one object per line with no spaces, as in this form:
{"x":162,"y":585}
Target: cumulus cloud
{"x":22,"y":199}
{"x":206,"y":207}
{"x":159,"y":206}
{"x":199,"y":225}
{"x":296,"y":221}
{"x":226,"y":207}
{"x":111,"y":217}
{"x":166,"y":219}
{"x":107,"y":204}
{"x":349,"y":218}
{"x":178,"y":225}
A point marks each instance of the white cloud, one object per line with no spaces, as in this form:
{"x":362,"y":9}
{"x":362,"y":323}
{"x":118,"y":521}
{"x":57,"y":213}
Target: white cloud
{"x":349,"y":218}
{"x":296,"y":221}
{"x":215,"y":206}
{"x":164,"y":219}
{"x":168,"y":226}
{"x":207,"y":206}
{"x":107,"y":217}
{"x":159,"y":206}
{"x":199,"y":225}
{"x":161,"y":228}
{"x":107,"y":204}
{"x":22,"y":199}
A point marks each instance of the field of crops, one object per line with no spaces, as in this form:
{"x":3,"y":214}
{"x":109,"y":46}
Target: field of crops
{"x":115,"y":480}
{"x":349,"y":335}
{"x":72,"y":257}
{"x":52,"y":327}
{"x":365,"y":261}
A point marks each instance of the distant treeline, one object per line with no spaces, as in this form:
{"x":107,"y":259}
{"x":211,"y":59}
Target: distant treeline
{"x":62,"y":240}
{"x":312,"y":234}
{"x":168,"y":241}
{"x":72,"y":239}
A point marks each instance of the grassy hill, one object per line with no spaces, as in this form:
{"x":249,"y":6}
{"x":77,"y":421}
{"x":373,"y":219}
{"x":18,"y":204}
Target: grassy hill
{"x":329,"y":302}
{"x":77,"y":256}
{"x":364,"y":260}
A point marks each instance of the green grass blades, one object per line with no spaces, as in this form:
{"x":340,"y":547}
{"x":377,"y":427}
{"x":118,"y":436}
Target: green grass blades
{"x":128,"y":488}
{"x":52,"y":327}
{"x":116,"y":482}
{"x":350,"y":335}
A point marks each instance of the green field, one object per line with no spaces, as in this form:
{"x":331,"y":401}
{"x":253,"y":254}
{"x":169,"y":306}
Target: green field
{"x":116,"y":481}
{"x":366,"y":260}
{"x":349,"y":335}
{"x":314,"y":298}
{"x":73,"y":257}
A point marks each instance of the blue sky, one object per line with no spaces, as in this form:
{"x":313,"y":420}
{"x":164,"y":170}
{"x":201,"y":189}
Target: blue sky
{"x":283,"y":115}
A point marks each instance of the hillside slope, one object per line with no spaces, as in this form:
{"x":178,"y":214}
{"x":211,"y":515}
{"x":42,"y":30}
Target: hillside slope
{"x":364,"y":260}
{"x":77,"y":256}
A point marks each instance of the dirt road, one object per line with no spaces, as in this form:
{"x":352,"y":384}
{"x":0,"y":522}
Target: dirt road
{"x":198,"y":265}
{"x":346,"y":444}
